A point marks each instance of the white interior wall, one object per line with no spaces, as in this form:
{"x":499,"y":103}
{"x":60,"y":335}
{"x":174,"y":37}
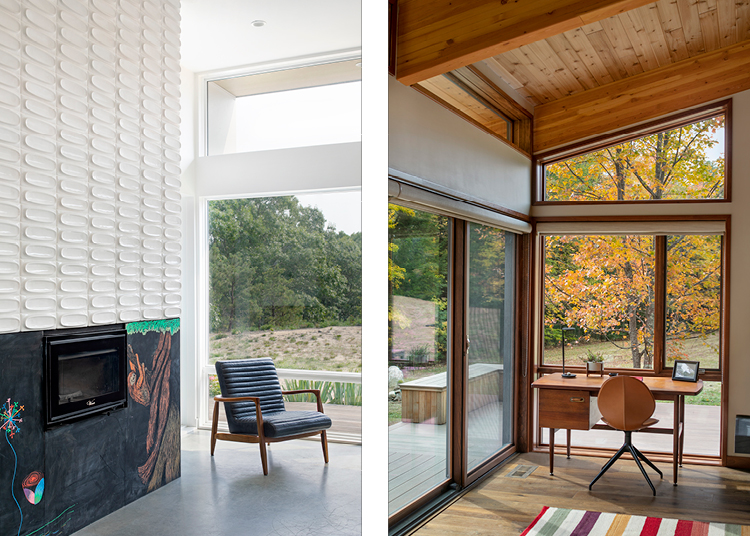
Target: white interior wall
{"x":222,"y":122}
{"x":189,"y":150}
{"x":739,"y":291}
{"x":90,"y":222}
{"x":427,"y":141}
{"x":283,"y":170}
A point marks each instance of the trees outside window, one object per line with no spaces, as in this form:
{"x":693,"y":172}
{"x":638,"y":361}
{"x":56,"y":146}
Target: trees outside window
{"x":606,"y":288}
{"x":678,"y":164}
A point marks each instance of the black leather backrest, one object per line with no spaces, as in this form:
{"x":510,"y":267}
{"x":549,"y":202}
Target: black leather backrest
{"x":249,"y":377}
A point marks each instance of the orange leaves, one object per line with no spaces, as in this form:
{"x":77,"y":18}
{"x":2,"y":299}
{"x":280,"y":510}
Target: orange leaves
{"x":683,"y":163}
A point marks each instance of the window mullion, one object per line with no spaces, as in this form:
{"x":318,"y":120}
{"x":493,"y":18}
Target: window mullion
{"x":660,"y":297}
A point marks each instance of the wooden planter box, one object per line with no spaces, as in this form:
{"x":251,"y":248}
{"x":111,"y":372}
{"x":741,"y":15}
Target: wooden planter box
{"x":426,"y":399}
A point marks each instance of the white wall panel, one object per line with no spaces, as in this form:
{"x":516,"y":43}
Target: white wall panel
{"x":90,"y":222}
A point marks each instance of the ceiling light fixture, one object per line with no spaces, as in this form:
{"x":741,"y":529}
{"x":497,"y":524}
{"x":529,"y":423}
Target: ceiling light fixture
{"x":258,"y":23}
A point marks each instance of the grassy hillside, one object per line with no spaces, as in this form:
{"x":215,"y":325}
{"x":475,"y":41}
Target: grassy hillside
{"x":336,"y":348}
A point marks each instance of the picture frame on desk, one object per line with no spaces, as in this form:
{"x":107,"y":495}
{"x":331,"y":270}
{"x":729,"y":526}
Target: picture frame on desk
{"x":685,"y":371}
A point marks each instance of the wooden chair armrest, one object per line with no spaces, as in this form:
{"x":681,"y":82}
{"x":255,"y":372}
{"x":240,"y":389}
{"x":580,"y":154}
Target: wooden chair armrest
{"x":220,"y":398}
{"x":258,"y":412}
{"x":316,"y":392}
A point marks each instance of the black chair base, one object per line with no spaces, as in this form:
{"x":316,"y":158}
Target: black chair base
{"x":637,"y":456}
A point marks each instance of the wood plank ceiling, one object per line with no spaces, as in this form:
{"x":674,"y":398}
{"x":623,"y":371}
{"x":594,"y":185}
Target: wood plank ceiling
{"x":621,"y":46}
{"x":630,"y":61}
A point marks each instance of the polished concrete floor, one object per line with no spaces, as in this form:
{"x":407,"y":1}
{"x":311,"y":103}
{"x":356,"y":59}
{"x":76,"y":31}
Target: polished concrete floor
{"x":228,"y":495}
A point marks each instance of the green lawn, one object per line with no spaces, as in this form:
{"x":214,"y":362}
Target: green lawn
{"x":698,"y":348}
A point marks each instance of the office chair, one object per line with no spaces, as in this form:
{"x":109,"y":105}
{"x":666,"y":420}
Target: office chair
{"x":627,"y":404}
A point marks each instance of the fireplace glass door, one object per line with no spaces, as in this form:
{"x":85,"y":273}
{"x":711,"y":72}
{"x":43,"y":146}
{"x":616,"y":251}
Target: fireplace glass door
{"x":84,"y":375}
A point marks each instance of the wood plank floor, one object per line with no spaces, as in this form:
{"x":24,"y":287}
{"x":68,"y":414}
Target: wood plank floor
{"x":504,"y":505}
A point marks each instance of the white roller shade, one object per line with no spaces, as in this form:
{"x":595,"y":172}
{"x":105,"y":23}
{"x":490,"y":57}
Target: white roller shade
{"x":671,"y":227}
{"x":409,"y":196}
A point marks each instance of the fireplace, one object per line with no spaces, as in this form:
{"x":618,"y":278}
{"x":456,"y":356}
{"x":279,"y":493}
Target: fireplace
{"x":85,"y":374}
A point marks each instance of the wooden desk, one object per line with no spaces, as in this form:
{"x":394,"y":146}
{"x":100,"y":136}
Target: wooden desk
{"x":565,"y":403}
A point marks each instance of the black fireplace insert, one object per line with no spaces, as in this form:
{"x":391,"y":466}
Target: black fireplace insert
{"x":85,"y":374}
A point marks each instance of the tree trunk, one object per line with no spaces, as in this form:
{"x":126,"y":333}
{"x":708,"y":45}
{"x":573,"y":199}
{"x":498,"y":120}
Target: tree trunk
{"x":632,"y":318}
{"x":232,"y":306}
{"x":619,"y":174}
{"x":660,"y":164}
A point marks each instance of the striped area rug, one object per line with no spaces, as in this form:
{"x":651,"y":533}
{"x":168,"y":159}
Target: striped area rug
{"x":564,"y":522}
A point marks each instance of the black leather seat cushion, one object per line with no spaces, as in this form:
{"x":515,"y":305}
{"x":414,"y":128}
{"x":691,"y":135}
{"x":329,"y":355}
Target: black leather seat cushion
{"x":284,"y":423}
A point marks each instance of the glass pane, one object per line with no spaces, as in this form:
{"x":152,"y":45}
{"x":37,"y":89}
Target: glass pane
{"x":693,"y":299}
{"x":683,"y":163}
{"x":342,"y":402}
{"x":419,"y":360}
{"x":702,"y":427}
{"x":303,"y":117}
{"x":490,"y":329}
{"x":603,"y":288}
{"x":87,"y":375}
{"x":285,"y":283}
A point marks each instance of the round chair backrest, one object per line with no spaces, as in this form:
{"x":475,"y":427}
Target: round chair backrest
{"x":625,"y":403}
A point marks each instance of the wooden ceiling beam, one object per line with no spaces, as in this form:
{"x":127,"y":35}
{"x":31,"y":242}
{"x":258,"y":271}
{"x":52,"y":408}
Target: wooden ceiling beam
{"x":642,"y":97}
{"x":437,"y":36}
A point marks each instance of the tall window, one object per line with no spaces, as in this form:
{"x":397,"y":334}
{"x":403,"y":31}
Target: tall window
{"x":610,"y":288}
{"x":451,"y":339}
{"x":419,"y":360}
{"x":682,"y":163}
{"x":285,"y":282}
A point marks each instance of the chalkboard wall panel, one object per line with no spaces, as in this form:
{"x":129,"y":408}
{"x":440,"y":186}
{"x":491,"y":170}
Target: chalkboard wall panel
{"x":85,"y":469}
{"x":97,"y":465}
{"x":22,"y":438}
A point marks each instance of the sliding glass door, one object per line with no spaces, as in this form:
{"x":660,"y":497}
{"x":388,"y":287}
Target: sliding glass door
{"x":451,"y":353}
{"x":491,"y":298}
{"x":419,"y":361}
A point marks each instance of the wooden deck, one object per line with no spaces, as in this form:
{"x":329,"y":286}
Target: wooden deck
{"x":506,"y":505}
{"x":417,"y":453}
{"x":702,"y":432}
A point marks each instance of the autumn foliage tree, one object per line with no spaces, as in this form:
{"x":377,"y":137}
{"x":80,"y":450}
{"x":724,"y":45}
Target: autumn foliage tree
{"x":604,"y":285}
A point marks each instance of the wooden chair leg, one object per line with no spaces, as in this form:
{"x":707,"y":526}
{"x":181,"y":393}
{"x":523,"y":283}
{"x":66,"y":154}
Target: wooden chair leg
{"x":263,"y":454}
{"x":214,"y":427}
{"x":324,"y":442}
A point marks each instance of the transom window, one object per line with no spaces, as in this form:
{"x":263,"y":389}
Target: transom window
{"x":672,"y":162}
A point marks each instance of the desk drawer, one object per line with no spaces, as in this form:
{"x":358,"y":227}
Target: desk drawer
{"x":562,"y":408}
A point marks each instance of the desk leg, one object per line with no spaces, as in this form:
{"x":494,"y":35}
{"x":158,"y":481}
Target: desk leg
{"x":568,"y":438}
{"x":551,"y":451}
{"x":682,"y":427}
{"x":675,"y":439}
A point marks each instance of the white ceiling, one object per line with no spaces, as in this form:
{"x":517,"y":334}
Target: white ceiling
{"x":217,"y":34}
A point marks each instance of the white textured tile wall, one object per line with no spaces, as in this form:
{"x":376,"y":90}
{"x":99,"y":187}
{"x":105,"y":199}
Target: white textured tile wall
{"x":90,"y":223}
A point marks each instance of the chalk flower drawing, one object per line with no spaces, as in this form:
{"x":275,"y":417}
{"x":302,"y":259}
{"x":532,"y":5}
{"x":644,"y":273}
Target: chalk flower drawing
{"x":10,"y":419}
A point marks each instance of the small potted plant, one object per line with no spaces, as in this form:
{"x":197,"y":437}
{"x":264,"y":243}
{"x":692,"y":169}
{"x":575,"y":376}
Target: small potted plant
{"x":594,"y":362}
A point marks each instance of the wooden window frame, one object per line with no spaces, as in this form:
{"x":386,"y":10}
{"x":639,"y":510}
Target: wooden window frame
{"x":459,"y":478}
{"x":479,"y":90}
{"x":540,"y":160}
{"x":536,"y":335}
